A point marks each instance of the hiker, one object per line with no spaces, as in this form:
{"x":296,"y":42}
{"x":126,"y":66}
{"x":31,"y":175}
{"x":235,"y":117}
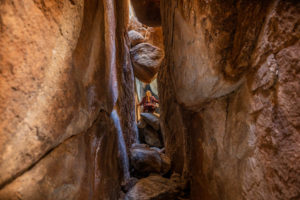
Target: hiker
{"x":148,"y":102}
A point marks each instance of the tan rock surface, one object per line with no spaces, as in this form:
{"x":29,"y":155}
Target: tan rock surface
{"x":237,"y":72}
{"x":74,"y":168}
{"x":61,"y":74}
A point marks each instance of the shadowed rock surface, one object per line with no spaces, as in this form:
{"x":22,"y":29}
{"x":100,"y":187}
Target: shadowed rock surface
{"x":147,"y":11}
{"x":228,"y":97}
{"x":152,"y":120}
{"x":151,"y":137}
{"x":146,"y":160}
{"x":154,"y":187}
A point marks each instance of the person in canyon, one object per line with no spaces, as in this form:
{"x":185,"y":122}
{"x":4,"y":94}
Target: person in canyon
{"x":148,"y":102}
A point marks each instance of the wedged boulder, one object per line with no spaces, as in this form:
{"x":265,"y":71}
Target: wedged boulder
{"x":145,"y":160}
{"x":135,"y":37}
{"x":151,"y":137}
{"x":146,"y":60}
{"x":154,"y":187}
{"x":152,"y":120}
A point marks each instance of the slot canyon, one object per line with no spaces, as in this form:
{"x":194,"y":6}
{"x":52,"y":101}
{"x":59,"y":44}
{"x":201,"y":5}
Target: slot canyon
{"x":75,"y":75}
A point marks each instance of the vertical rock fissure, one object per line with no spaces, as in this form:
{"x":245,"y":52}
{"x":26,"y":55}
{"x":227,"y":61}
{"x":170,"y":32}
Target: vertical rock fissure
{"x":225,"y":75}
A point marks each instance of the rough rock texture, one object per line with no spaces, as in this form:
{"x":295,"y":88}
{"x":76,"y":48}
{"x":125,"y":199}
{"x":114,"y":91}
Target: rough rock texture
{"x":135,"y":25}
{"x":149,"y":130}
{"x":74,"y":169}
{"x":129,"y":184}
{"x":229,"y":97}
{"x":147,"y":11}
{"x":135,"y":37}
{"x":146,"y":60}
{"x":151,"y":137}
{"x":146,"y":160}
{"x":154,"y":187}
{"x":152,"y":35}
{"x":152,"y":120}
{"x":126,"y":100}
{"x":63,"y":65}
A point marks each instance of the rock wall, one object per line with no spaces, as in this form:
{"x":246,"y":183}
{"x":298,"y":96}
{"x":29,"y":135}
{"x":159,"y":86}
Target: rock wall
{"x":63,"y":102}
{"x":229,"y":97}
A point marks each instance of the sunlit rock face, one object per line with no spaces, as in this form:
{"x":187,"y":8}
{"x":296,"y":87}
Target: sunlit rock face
{"x":229,"y":97}
{"x":61,"y":75}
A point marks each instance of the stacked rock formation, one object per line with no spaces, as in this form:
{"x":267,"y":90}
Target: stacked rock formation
{"x":146,"y":55}
{"x":151,"y":167}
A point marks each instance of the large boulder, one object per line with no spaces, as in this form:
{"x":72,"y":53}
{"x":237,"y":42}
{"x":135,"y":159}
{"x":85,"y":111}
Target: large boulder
{"x":146,"y":60}
{"x":154,"y":187}
{"x":145,"y":160}
{"x":152,"y":120}
{"x":135,"y":37}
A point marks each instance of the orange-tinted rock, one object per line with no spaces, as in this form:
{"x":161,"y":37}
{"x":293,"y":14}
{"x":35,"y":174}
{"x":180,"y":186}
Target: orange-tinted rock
{"x":71,"y":169}
{"x":154,"y":36}
{"x":62,"y":75}
{"x":39,"y":101}
{"x":237,"y":71}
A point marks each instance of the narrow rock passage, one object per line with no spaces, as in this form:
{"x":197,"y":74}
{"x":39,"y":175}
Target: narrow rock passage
{"x":76,"y":121}
{"x":152,"y":177}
